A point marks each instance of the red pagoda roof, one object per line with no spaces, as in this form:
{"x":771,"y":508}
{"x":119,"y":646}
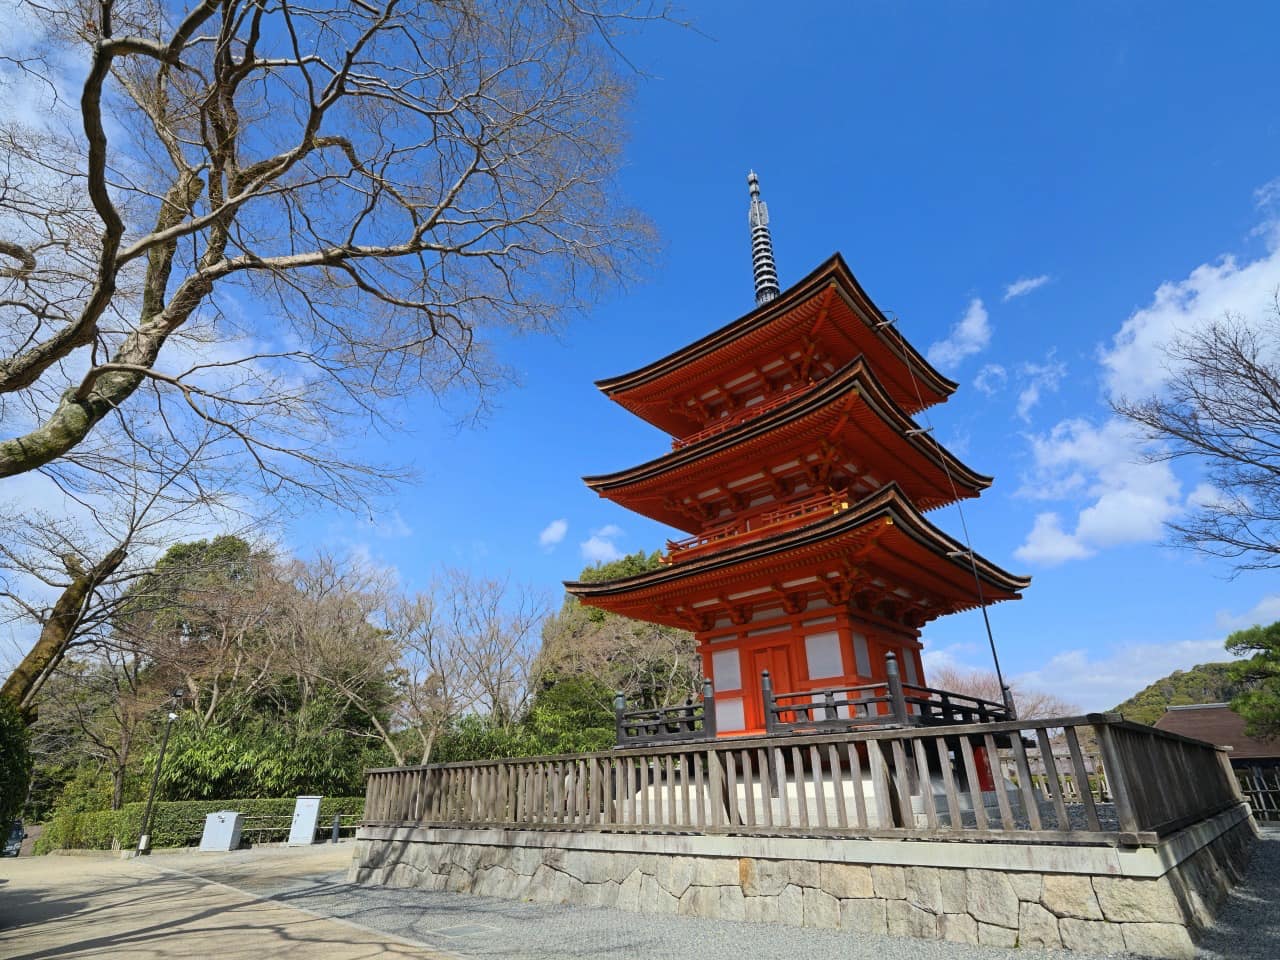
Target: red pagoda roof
{"x":881,"y":545}
{"x":851,"y":411}
{"x":829,"y":305}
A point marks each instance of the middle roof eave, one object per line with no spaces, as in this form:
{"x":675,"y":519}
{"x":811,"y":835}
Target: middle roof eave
{"x":855,"y":377}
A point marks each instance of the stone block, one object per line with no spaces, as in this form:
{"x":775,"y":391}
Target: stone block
{"x":1066,"y":895}
{"x":700,"y":902}
{"x":864,"y":916}
{"x":790,"y":906}
{"x":629,"y":892}
{"x":820,"y":909}
{"x":1126,"y":900}
{"x":889,"y":883}
{"x":1037,"y":927}
{"x":990,"y":935}
{"x":804,"y":873}
{"x":845,"y":880}
{"x":958,"y":928}
{"x":1027,"y":886}
{"x":733,"y":905}
{"x":924,"y":888}
{"x":1170,"y":941}
{"x":676,"y":874}
{"x":908,"y":920}
{"x":1090,"y":936}
{"x":758,"y":909}
{"x":716,"y":872}
{"x":954,"y":895}
{"x":991,"y":899}
{"x":763,"y":878}
{"x":654,"y":898}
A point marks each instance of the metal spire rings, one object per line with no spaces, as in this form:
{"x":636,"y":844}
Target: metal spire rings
{"x":766,"y":273}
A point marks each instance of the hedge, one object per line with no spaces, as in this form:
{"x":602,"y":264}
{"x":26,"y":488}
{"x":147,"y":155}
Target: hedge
{"x":176,"y":823}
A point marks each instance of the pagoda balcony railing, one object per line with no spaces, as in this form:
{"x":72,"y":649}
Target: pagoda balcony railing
{"x":686,"y":722}
{"x":741,"y":416}
{"x":886,"y":703}
{"x":769,"y":521}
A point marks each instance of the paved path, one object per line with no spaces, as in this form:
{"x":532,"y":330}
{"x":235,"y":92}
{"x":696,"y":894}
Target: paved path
{"x":295,"y":904}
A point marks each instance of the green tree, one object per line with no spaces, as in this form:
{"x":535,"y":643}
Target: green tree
{"x":1203,"y":683}
{"x":651,"y":664}
{"x":1260,"y":703}
{"x":15,"y":761}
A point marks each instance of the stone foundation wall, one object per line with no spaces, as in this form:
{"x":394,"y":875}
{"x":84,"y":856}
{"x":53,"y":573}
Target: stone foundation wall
{"x":1151,"y":902}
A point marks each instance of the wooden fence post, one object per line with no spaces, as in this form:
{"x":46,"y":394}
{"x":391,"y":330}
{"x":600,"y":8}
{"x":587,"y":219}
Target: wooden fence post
{"x":895,"y":688}
{"x":766,"y":694}
{"x":1118,"y":776}
{"x":708,"y":709}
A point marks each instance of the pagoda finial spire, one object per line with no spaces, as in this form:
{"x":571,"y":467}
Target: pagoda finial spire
{"x":766,"y":273}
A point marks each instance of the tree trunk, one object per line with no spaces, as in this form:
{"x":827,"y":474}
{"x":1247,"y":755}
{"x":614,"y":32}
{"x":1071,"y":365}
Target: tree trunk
{"x":59,"y":630}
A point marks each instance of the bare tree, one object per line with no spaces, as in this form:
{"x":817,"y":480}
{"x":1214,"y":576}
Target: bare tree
{"x":1220,"y":405}
{"x":87,"y":558}
{"x":1031,"y":704}
{"x":269,"y":218}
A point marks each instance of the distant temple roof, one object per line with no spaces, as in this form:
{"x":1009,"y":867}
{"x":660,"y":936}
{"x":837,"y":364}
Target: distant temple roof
{"x":1218,"y":724}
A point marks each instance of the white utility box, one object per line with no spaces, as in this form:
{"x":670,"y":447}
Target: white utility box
{"x":306,"y":814}
{"x":222,"y":831}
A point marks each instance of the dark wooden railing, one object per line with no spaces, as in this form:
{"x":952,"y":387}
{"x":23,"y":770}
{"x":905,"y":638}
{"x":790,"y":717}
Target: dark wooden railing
{"x":692,"y":720}
{"x":1261,"y":787}
{"x":890,"y":702}
{"x":908,"y":782}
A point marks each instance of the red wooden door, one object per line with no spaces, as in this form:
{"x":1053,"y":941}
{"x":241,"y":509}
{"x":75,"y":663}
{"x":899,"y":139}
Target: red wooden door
{"x":777,"y":660}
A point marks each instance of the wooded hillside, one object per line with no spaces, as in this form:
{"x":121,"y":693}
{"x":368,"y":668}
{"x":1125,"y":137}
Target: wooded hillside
{"x":1203,"y":683}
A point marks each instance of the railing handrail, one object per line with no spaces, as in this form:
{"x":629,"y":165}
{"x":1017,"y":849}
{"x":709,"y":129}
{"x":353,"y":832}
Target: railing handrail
{"x":741,"y":527}
{"x":741,"y":416}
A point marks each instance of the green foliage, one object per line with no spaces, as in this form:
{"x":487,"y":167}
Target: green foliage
{"x":628,"y":566}
{"x":1259,"y":702}
{"x":267,"y":756}
{"x":15,"y":762}
{"x":175,"y":824}
{"x":1205,"y":683}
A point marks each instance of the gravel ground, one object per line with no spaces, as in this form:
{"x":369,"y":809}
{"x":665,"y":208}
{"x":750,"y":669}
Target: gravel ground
{"x":1248,"y":927}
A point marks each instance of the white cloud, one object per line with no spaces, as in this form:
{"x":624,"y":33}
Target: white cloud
{"x":970,"y":335}
{"x":1101,"y":683}
{"x":599,"y":547}
{"x":388,"y":526}
{"x":1128,"y":500}
{"x":991,"y":379}
{"x":1024,"y":285}
{"x":553,"y":533}
{"x":1265,"y":611}
{"x":1135,"y":362}
{"x":1049,"y":544}
{"x":1039,"y":378}
{"x":1121,"y":498}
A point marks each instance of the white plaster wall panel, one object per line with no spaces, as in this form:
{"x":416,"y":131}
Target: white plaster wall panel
{"x":729,"y":715}
{"x":726,"y":669}
{"x":861,"y":657}
{"x":822,"y":653}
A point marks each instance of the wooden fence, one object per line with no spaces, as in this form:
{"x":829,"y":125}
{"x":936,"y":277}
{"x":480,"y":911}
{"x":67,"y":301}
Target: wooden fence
{"x":1261,"y":787}
{"x":922,"y":783}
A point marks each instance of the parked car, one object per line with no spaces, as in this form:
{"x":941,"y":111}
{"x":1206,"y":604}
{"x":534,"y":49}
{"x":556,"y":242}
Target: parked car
{"x":13,"y":840}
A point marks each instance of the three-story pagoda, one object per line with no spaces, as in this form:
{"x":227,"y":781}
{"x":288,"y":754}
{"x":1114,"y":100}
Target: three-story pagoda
{"x":802,"y":482}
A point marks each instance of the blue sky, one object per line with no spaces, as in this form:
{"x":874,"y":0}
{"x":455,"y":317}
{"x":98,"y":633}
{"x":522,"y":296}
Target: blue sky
{"x":1117,"y":158}
{"x":1040,"y":194}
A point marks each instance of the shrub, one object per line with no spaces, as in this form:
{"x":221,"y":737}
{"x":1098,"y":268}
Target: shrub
{"x":176,"y":823}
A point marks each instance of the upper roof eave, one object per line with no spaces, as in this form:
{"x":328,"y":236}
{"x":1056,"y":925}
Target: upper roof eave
{"x":832,"y":270}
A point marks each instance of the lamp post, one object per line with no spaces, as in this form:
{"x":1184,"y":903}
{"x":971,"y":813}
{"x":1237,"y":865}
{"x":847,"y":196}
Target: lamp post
{"x":144,"y":839}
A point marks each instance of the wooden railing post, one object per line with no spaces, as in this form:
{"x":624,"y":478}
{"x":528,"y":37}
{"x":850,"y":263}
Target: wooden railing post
{"x":766,"y":696}
{"x":896,"y":695}
{"x":1007,"y":695}
{"x":708,"y":708}
{"x":620,"y":708}
{"x":1118,"y":776}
